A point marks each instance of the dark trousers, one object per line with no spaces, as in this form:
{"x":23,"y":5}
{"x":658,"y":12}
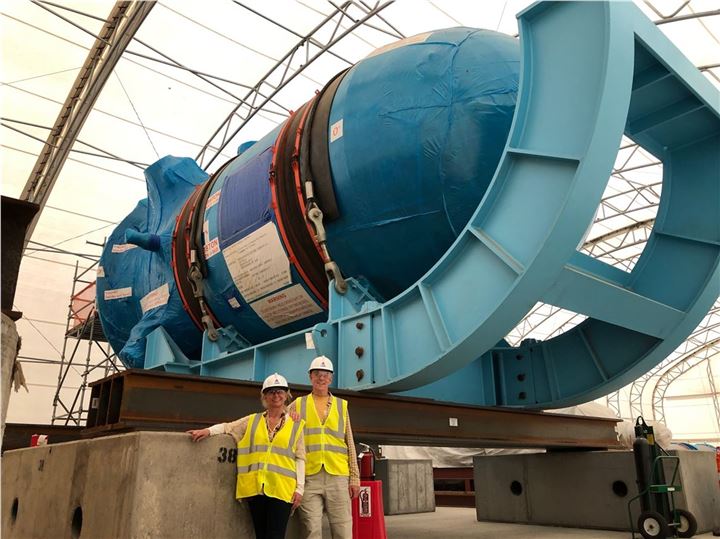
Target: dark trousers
{"x":270,"y":516}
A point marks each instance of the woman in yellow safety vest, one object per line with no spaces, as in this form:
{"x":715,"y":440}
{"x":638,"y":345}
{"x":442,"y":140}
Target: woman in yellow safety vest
{"x":331,"y":464}
{"x":270,"y":459}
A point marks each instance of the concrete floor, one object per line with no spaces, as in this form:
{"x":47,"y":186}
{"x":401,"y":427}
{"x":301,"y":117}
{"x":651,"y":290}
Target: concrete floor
{"x":460,"y":523}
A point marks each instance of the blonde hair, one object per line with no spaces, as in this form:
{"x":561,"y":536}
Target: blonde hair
{"x":288,"y":398}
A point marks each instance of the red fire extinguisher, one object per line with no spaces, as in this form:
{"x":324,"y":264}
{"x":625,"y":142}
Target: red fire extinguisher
{"x":366,"y":462}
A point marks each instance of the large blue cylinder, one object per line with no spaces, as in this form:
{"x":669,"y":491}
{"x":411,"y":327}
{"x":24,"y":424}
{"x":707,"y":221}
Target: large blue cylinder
{"x":412,"y":136}
{"x":424,"y":126}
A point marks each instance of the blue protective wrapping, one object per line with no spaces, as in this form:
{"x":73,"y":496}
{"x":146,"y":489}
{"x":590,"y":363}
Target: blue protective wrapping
{"x":245,"y":202}
{"x":423,"y":128}
{"x":169,"y":183}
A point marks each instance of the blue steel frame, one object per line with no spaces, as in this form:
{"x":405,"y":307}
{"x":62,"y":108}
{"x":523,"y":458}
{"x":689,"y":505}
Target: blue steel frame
{"x":590,"y":72}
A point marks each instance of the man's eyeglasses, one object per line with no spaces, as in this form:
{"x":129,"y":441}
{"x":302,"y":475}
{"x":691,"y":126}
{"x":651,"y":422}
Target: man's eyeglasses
{"x":322,"y":373}
{"x":275,"y":391}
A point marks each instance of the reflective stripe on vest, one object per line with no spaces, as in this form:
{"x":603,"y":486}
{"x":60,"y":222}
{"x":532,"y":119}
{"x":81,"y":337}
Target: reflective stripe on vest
{"x":325,"y":443}
{"x":264,"y":466}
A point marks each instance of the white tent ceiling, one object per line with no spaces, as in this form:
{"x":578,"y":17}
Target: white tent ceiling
{"x":186,"y":70}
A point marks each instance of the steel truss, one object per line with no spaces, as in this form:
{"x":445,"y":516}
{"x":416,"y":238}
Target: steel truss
{"x":116,"y":34}
{"x":697,"y":357}
{"x":613,"y":402}
{"x":707,"y":331}
{"x":308,"y":49}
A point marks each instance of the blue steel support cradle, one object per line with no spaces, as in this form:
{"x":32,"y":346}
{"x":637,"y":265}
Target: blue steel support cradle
{"x":590,"y":72}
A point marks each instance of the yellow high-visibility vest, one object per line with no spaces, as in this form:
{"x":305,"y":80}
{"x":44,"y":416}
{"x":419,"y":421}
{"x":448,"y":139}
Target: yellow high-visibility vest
{"x":264,"y":466}
{"x":325,"y":443}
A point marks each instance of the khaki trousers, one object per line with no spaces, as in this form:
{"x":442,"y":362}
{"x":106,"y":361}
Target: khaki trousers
{"x":329,"y":493}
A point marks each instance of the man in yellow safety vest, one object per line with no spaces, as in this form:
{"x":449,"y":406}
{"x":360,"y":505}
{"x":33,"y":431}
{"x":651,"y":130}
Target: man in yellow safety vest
{"x":332,"y":476}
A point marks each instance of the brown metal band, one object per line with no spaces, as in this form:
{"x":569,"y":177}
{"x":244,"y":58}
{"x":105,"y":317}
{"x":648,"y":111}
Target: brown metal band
{"x":180,"y":261}
{"x":295,"y":232}
{"x":186,"y":237}
{"x":314,"y":155}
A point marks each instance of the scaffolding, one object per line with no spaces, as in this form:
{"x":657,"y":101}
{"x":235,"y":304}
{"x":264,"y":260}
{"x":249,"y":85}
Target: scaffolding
{"x":83,"y":328}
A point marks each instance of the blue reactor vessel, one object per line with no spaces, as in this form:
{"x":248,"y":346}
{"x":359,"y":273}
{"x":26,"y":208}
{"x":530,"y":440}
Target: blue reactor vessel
{"x":400,"y":149}
{"x":405,"y":219}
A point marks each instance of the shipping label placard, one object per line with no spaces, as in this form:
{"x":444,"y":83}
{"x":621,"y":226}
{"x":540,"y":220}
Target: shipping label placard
{"x":211,"y":249}
{"x":156,"y":298}
{"x":286,"y":306}
{"x":122,"y":247}
{"x":257,"y":263}
{"x":118,"y":293}
{"x":206,"y":232}
{"x":336,"y":130}
{"x":212,"y":200}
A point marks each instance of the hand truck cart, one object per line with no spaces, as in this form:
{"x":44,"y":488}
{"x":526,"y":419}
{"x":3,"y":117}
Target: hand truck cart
{"x":659,"y":518}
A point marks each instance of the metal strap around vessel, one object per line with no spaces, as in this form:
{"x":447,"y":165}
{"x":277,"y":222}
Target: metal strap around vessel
{"x":299,"y":179}
{"x":315,"y":193}
{"x":181,"y":264}
{"x":314,"y":158}
{"x":187,"y":237}
{"x":199,"y":216}
{"x":290,"y":219}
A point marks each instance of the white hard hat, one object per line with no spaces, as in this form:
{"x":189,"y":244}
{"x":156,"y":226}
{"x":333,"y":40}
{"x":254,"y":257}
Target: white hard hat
{"x":275,"y":381}
{"x":321,"y":363}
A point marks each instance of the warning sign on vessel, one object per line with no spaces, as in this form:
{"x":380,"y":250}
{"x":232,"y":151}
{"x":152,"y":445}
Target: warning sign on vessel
{"x":286,"y":306}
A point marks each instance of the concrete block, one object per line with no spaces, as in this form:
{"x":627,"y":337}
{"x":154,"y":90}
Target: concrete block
{"x":139,"y":485}
{"x":701,"y":494}
{"x":585,"y":489}
{"x":407,"y":485}
{"x":588,"y":479}
{"x":500,"y":488}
